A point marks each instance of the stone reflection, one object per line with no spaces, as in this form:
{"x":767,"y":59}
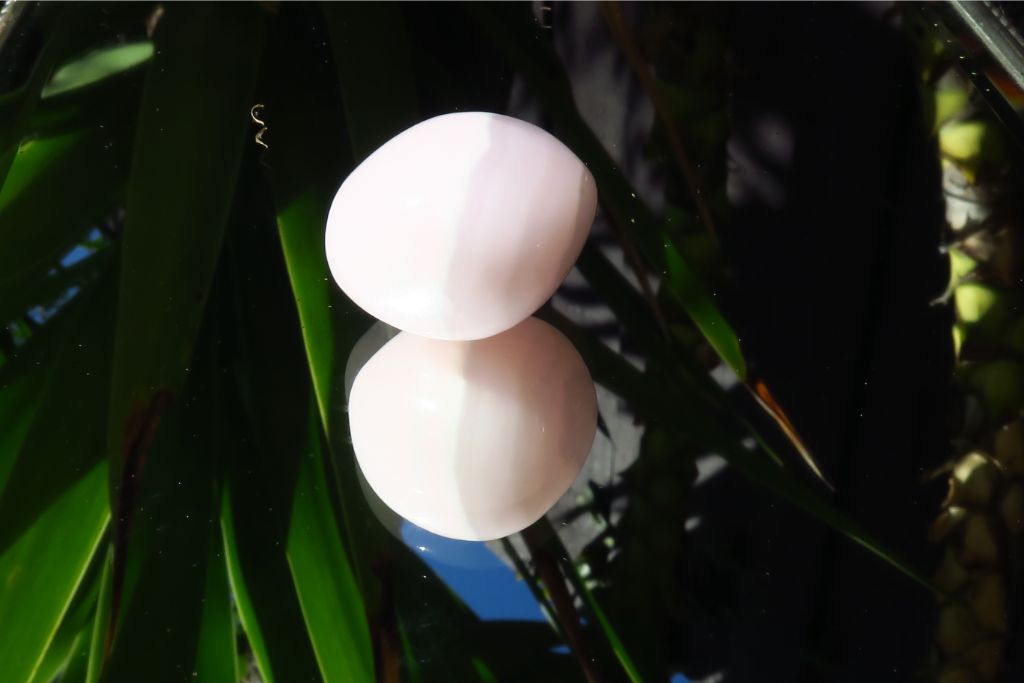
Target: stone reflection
{"x":471,"y":440}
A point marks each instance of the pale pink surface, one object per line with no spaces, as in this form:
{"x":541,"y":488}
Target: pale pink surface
{"x":461,"y":226}
{"x":474,"y":440}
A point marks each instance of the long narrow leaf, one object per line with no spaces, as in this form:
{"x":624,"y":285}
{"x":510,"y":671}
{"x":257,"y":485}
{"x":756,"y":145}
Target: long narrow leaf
{"x":71,"y":643}
{"x":216,"y":659}
{"x":69,"y":640}
{"x":39,"y":577}
{"x":96,"y":66}
{"x":188,"y":147}
{"x":323,"y":580}
{"x":97,"y":636}
{"x":261,"y":584}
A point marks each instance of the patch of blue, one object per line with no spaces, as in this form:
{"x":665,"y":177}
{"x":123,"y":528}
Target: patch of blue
{"x":475,"y":574}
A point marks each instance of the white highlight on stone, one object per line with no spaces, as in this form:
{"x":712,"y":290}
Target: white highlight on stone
{"x":461,"y":226}
{"x":474,"y":440}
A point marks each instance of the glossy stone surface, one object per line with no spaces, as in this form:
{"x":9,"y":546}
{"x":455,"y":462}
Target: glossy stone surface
{"x":461,"y":226}
{"x":473,"y":440}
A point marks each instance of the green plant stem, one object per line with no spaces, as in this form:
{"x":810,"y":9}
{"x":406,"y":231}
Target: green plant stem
{"x":544,"y":529}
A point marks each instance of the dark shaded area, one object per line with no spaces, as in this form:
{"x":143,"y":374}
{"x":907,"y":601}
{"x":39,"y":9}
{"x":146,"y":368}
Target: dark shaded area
{"x":835,"y":244}
{"x":833,"y":251}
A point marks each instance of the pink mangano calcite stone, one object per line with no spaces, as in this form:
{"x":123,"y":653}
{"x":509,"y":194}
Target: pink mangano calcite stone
{"x":461,"y":226}
{"x":473,"y":440}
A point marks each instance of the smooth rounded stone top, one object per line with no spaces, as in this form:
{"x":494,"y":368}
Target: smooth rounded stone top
{"x":461,"y":226}
{"x":473,"y":440}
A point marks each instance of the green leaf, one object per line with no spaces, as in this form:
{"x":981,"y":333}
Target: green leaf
{"x":217,"y":654}
{"x":71,"y":638}
{"x":96,"y":66}
{"x":687,"y":289}
{"x":39,"y":577}
{"x":188,"y":147}
{"x":98,"y":634}
{"x":324,"y":581}
{"x":261,"y":582}
{"x":78,"y":662}
{"x":571,"y":572}
{"x":247,"y":611}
